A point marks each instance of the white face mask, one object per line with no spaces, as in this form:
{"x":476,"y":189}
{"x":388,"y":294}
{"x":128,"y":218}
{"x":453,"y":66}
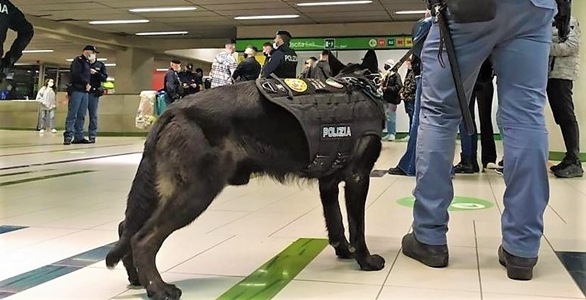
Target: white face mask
{"x":275,"y":46}
{"x":92,"y":57}
{"x":51,"y":84}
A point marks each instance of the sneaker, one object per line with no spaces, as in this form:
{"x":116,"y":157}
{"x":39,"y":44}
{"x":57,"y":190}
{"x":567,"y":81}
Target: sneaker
{"x":429,"y":255}
{"x":569,"y":171}
{"x":67,"y":142}
{"x":518,"y":268}
{"x":391,"y":138}
{"x":54,"y":130}
{"x":560,"y":166}
{"x":92,"y":140}
{"x":500,"y":171}
{"x":41,"y":131}
{"x":405,"y":139}
{"x":491,"y":166}
{"x":501,"y":163}
{"x":396,"y":171}
{"x":84,"y":141}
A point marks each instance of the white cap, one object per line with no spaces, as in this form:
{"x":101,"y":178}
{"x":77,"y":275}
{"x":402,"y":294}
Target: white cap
{"x":390,"y":62}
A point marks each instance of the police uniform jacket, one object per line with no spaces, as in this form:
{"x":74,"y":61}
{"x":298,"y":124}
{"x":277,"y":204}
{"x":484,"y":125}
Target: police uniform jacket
{"x":248,"y":69}
{"x":565,"y":55}
{"x":80,"y":73}
{"x":283,"y":63}
{"x":97,"y":78}
{"x":173,"y":86}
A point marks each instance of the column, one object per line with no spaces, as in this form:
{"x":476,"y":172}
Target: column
{"x":556,"y":142}
{"x":134,"y":71}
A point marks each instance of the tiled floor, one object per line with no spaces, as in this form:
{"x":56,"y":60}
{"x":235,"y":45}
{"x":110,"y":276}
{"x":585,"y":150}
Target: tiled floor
{"x":69,"y":200}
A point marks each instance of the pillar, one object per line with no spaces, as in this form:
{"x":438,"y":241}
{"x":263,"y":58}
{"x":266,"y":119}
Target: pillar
{"x":134,"y":71}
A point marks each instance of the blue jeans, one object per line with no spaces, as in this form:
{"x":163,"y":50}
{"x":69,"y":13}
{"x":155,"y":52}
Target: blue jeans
{"x":469,"y":143}
{"x":76,"y":109}
{"x":409,"y":109}
{"x":518,"y":39}
{"x":391,"y":115}
{"x":407,"y":162}
{"x":93,"y":101}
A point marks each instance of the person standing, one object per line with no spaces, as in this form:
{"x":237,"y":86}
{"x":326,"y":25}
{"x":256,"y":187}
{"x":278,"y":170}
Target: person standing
{"x":224,"y":65}
{"x":78,"y":97}
{"x":172,"y":85}
{"x":321,"y":69}
{"x":48,"y":99}
{"x":98,"y":76}
{"x":249,"y":68}
{"x":563,"y":71}
{"x":517,"y":35}
{"x":283,"y":61}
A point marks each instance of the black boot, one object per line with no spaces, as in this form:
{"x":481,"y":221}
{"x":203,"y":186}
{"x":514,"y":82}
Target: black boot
{"x":475,"y":165}
{"x":518,"y":268}
{"x":465,"y":166}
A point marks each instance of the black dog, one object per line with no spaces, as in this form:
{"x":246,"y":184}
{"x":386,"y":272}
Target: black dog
{"x":217,"y":138}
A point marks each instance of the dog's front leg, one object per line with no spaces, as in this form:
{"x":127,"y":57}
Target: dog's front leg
{"x":328,"y":190}
{"x":355,"y":192}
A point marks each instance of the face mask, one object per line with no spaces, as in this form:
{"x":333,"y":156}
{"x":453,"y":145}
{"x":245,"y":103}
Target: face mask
{"x":92,"y":57}
{"x":275,"y":46}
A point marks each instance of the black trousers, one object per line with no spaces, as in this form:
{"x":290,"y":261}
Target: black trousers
{"x":559,"y":93}
{"x":484,"y":94}
{"x":25,"y":32}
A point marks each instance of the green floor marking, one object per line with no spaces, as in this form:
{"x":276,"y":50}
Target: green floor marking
{"x":458,"y":204}
{"x":275,"y":274}
{"x":44,"y":177}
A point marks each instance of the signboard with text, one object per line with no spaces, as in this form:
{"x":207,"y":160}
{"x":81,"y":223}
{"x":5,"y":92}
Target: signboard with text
{"x":338,"y":43}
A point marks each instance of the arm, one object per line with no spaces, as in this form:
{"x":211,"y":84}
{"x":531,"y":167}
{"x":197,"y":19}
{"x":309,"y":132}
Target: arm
{"x":76,"y":73}
{"x":239,"y":70}
{"x":273,"y":64}
{"x":170,"y":87}
{"x":40,"y":94}
{"x":571,"y":46}
{"x":103,"y":73}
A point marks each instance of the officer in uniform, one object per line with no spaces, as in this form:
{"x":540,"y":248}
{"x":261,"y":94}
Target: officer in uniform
{"x":283,"y":61}
{"x":98,"y":76}
{"x":517,"y":34}
{"x":78,"y":90}
{"x":12,"y":18}
{"x":172,"y":84}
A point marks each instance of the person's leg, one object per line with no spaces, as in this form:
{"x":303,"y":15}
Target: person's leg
{"x":25,"y":33}
{"x":560,"y":98}
{"x":521,"y":112}
{"x":80,"y":119}
{"x":52,"y":119}
{"x":43,"y":121}
{"x":484,"y":96}
{"x":93,"y":102}
{"x":409,"y":109}
{"x":469,"y":144}
{"x":406,"y":165}
{"x":73,"y":105}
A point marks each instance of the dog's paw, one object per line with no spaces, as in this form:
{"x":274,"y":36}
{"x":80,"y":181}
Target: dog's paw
{"x":163,"y":292}
{"x":372,"y":263}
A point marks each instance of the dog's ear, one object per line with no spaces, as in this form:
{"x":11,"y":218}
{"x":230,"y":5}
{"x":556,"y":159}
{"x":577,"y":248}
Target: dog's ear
{"x":370,"y":61}
{"x":336,"y":66}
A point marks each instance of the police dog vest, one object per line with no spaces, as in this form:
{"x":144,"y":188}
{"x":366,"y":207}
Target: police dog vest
{"x":333,"y":116}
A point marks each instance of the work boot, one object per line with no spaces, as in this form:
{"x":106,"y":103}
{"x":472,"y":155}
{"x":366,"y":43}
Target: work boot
{"x":396,"y":171}
{"x":429,"y":255}
{"x":570,"y":170}
{"x":466,"y":166}
{"x":518,"y":268}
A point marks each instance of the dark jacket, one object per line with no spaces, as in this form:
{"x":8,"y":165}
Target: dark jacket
{"x":97,"y":78}
{"x":248,"y":69}
{"x":320,"y":70}
{"x":12,"y":18}
{"x":283,"y":63}
{"x":80,"y":73}
{"x":173,"y":86}
{"x":189,"y":78}
{"x":391,"y":88}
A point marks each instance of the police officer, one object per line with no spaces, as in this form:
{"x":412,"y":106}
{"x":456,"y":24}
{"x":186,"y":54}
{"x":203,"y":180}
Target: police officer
{"x":283,"y":61}
{"x":249,"y":68}
{"x":189,"y":80}
{"x":172,"y":85}
{"x":518,"y":36}
{"x":78,"y":89}
{"x":98,"y":75}
{"x":11,"y":17}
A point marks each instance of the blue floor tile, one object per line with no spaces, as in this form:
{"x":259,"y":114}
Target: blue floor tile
{"x":575,"y":263}
{"x":6,"y":228}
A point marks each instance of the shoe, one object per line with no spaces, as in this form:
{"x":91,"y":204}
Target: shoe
{"x":559,"y":166}
{"x":429,"y":255}
{"x":54,"y":130}
{"x":405,"y":139}
{"x":67,"y":142}
{"x":500,"y":171}
{"x":92,"y":141}
{"x":518,"y":268}
{"x":570,"y":171}
{"x":41,"y":131}
{"x":466,"y":165}
{"x":490,"y":166}
{"x":501,"y":163}
{"x":84,"y":141}
{"x":396,"y":171}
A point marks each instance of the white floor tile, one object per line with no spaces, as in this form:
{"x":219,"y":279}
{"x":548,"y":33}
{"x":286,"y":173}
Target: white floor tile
{"x":325,"y":290}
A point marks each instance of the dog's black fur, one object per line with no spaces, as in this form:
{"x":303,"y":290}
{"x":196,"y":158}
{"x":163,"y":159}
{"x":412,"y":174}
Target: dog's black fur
{"x":217,"y":138}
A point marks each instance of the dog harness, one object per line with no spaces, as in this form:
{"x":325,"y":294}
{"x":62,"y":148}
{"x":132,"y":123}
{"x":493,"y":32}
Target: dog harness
{"x":333,"y":114}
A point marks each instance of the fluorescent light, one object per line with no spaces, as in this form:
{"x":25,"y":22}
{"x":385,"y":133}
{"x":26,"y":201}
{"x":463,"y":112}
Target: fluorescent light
{"x":110,"y":65}
{"x":111,"y":22}
{"x":38,"y":51}
{"x":110,"y":79}
{"x":163,"y":9}
{"x":333,"y":3}
{"x":162,"y":70}
{"x":162,"y":33}
{"x":267,"y":17}
{"x":410,"y":12}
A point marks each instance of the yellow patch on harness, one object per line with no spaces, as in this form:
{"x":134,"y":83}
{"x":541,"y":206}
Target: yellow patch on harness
{"x":297,"y":85}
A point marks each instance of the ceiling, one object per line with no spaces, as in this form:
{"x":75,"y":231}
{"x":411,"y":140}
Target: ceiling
{"x":212,"y":19}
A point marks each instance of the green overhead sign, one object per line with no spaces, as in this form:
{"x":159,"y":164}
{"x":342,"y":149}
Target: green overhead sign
{"x":338,"y":43}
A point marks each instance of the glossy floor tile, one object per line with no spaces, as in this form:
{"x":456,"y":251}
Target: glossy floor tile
{"x":60,"y":207}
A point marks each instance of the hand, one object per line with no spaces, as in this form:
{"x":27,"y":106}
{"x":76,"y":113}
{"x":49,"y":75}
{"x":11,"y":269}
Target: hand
{"x":88,"y":87}
{"x":93,"y":71}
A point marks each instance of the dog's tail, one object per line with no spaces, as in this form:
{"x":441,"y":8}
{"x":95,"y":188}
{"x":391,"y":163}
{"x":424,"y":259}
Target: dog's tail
{"x":143,"y":197}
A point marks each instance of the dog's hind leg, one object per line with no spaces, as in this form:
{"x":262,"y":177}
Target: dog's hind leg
{"x":128,"y":261}
{"x":328,"y":190}
{"x":356,"y":190}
